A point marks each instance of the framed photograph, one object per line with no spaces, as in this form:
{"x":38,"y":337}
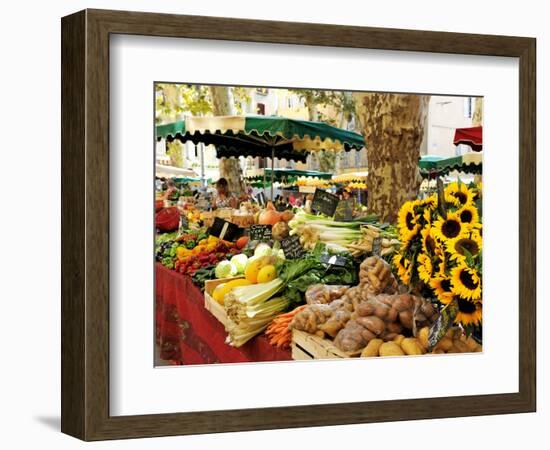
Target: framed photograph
{"x":253,"y":211}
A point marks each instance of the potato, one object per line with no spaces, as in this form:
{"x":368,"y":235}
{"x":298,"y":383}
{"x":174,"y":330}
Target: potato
{"x":403,"y":302}
{"x":381,"y":310}
{"x":427,"y":309}
{"x":471,"y":343}
{"x":461,"y":346}
{"x":373,"y":323}
{"x":365,"y":309}
{"x":444,"y":344}
{"x":394,"y":327}
{"x":387,"y":336}
{"x":392,"y":315}
{"x":398,"y":339}
{"x":423,"y":335}
{"x":450,"y":333}
{"x":438,"y":351}
{"x":406,"y":319}
{"x":372,"y":348}
{"x":390,"y":349}
{"x":411,"y":346}
{"x":367,"y":335}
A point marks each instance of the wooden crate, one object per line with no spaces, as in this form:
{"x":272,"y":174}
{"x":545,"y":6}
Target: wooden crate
{"x":217,"y":310}
{"x":307,"y":346}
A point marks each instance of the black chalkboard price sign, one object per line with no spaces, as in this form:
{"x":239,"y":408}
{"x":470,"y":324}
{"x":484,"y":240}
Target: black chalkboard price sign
{"x":324,"y":202}
{"x":376,"y":246}
{"x":261,"y":233}
{"x":225,"y":230}
{"x":292,"y":248}
{"x":344,"y":210}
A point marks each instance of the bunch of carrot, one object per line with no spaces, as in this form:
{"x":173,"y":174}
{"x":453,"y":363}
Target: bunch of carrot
{"x":279,"y":332}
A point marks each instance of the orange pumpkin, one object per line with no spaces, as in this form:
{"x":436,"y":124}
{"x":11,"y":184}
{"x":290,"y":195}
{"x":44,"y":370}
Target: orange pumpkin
{"x":269,"y":217}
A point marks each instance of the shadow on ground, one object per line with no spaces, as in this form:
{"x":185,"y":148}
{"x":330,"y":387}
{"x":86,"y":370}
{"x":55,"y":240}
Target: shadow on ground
{"x":53,"y":422}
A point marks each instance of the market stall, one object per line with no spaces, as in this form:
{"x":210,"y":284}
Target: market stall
{"x":307,"y":286}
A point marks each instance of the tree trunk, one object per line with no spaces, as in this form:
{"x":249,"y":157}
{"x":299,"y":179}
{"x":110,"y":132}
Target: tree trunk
{"x":477,"y":117}
{"x":230,"y":168}
{"x":393,"y":127}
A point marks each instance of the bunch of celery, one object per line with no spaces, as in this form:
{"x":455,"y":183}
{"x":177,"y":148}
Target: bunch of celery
{"x":251,"y":309}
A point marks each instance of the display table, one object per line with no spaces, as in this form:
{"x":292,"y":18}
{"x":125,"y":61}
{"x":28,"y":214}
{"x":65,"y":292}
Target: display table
{"x":188,"y":334}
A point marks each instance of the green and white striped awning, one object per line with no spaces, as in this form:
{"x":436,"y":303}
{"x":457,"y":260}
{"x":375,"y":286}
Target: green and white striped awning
{"x":432,"y":165}
{"x":261,"y":136}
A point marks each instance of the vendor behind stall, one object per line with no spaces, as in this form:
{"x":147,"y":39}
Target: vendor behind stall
{"x":224,"y":198}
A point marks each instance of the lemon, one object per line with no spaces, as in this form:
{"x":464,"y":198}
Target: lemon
{"x":221,"y":290}
{"x":267,"y":273}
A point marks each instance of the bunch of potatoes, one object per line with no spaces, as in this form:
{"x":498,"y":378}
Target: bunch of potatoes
{"x":454,"y":341}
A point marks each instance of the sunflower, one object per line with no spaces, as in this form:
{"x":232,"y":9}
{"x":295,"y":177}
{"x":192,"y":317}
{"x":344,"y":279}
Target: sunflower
{"x":429,"y":244}
{"x":430,"y":202}
{"x":468,"y":215}
{"x":459,"y":249}
{"x":466,"y":282}
{"x":476,"y":235}
{"x":404,"y":268}
{"x":424,"y":267}
{"x":442,"y":289}
{"x":440,"y":262}
{"x":478,"y":191}
{"x":458,"y":194}
{"x":449,"y":229}
{"x":469,"y":313}
{"x":407,"y":222}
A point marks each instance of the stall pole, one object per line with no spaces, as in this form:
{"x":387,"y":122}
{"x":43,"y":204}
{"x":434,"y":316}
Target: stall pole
{"x":272,"y":168}
{"x":203,"y":176}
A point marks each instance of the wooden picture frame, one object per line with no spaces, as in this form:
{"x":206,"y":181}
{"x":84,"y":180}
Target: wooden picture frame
{"x":85,"y":224}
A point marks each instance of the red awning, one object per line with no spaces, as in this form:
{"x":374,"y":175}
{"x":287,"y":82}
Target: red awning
{"x":470,"y":136}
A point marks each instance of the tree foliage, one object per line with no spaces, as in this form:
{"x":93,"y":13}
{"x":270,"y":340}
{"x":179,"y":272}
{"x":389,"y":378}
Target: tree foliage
{"x":172,"y":99}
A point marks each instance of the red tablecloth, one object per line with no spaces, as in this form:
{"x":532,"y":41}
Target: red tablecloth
{"x":188,"y":334}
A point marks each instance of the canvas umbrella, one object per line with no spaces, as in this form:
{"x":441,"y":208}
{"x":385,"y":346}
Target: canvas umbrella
{"x":262,"y":136}
{"x":163,"y":171}
{"x":286,"y":175}
{"x":472,"y":136}
{"x":432,"y":166}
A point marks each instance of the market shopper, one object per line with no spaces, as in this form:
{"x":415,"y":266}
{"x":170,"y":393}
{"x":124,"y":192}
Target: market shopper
{"x":224,"y":198}
{"x":170,"y":189}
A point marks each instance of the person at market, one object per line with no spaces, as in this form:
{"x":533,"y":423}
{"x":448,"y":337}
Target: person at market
{"x":346,"y":195}
{"x":171,"y":190}
{"x":224,"y":198}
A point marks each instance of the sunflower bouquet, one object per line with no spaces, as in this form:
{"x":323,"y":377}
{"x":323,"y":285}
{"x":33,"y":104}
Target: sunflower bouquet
{"x":441,"y":249}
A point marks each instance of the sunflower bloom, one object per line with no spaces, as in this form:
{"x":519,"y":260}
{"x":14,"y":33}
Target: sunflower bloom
{"x":469,"y":313}
{"x":404,"y":268}
{"x":442,"y":289}
{"x":429,"y":244}
{"x":458,"y":194}
{"x":468,"y":215}
{"x":459,"y":249}
{"x":449,"y":229}
{"x":407,"y":222}
{"x":465,"y":282}
{"x":424,"y":267}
